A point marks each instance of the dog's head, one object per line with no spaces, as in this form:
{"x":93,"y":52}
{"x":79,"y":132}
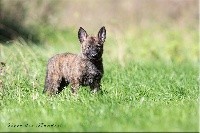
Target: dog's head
{"x":92,"y":46}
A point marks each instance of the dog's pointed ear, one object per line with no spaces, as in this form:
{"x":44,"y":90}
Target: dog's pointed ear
{"x":82,"y":35}
{"x":102,"y":34}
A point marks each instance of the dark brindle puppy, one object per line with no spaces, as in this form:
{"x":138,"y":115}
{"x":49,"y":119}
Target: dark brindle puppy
{"x":84,"y":69}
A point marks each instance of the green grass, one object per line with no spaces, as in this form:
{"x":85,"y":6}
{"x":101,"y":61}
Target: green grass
{"x":148,"y":95}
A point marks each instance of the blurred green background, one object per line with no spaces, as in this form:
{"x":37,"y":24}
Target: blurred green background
{"x":136,"y":29}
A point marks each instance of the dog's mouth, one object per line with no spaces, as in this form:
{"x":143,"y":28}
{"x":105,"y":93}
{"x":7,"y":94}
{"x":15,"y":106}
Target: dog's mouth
{"x":95,"y":56}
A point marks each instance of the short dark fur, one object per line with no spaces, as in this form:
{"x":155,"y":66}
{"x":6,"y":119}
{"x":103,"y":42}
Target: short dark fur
{"x":84,"y":69}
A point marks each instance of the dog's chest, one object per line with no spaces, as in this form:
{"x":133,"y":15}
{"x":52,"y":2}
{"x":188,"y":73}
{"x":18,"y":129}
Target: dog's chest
{"x":92,"y":74}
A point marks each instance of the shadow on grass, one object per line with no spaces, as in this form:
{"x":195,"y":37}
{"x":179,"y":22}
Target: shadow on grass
{"x":11,"y":30}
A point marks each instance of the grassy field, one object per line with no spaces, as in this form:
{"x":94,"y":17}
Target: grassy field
{"x":146,"y":87}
